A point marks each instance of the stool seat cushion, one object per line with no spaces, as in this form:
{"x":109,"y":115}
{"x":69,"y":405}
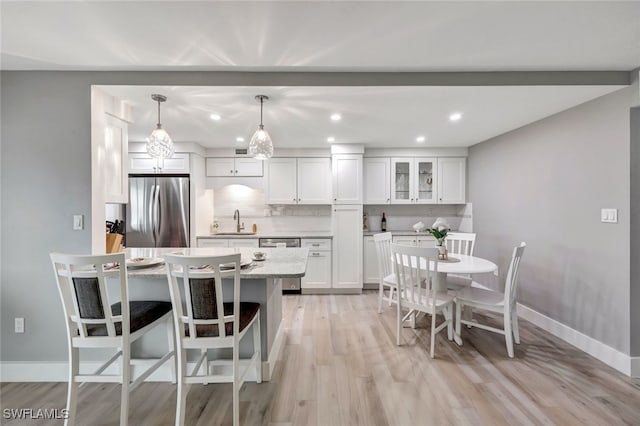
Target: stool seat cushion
{"x":248,"y":311}
{"x":141,"y":314}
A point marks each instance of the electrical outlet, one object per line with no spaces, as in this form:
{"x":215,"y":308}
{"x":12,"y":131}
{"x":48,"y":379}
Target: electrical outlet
{"x":609,"y":215}
{"x":19,"y":325}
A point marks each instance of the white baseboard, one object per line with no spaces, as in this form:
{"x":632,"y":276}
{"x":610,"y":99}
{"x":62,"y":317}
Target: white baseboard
{"x":610,"y":356}
{"x":58,"y":371}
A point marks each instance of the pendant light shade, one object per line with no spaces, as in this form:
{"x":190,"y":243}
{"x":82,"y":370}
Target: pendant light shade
{"x":159,"y":143}
{"x":261,"y":147}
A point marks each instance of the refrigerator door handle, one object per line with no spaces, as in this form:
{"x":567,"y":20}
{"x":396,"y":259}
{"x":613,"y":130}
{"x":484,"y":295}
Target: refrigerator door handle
{"x":156,"y":212}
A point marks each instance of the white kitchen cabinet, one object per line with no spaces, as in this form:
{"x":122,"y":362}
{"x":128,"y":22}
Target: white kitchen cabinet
{"x":243,"y":242}
{"x":414,"y":180}
{"x":212,"y":242}
{"x":410,"y":240}
{"x":370,"y":262}
{"x":452,"y":180}
{"x":318,"y":275}
{"x":116,"y":146}
{"x":347,"y":247}
{"x":347,"y":178}
{"x":230,"y":167}
{"x":377,"y":181}
{"x":143,"y":163}
{"x":298,"y":181}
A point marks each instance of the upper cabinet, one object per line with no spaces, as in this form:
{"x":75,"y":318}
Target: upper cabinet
{"x":227,"y":167}
{"x":428,"y":180}
{"x":116,"y":184}
{"x":377,"y":180}
{"x":298,"y":181}
{"x":347,"y":178}
{"x":452,"y":180}
{"x":143,"y":163}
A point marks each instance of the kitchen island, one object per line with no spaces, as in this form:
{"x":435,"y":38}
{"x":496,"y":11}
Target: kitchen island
{"x":260,"y":283}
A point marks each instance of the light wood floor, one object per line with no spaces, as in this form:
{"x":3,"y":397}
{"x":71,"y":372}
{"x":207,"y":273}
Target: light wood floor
{"x":340,"y":366}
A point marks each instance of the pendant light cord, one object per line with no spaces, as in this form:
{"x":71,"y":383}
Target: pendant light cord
{"x":159,"y":113}
{"x":261,"y":101}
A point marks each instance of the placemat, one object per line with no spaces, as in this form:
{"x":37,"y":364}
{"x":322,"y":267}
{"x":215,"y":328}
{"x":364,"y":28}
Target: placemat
{"x":450,"y":260}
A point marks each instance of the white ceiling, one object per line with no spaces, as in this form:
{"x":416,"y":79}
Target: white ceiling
{"x":330,"y":36}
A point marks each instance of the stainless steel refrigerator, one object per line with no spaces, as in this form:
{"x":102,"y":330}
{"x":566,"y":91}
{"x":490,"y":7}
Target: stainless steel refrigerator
{"x":158,"y":211}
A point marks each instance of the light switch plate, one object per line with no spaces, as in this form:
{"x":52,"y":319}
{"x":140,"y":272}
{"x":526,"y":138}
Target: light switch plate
{"x":609,"y":215}
{"x":19,"y":325}
{"x":78,"y":222}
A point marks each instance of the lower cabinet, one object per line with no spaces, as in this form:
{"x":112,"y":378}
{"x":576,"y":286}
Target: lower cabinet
{"x":318,"y":275}
{"x":421,"y":241}
{"x":225,"y":242}
{"x":347,"y":247}
{"x":370,"y":273}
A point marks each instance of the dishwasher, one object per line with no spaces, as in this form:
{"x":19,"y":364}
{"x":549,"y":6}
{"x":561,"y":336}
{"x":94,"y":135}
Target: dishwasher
{"x":289,"y":285}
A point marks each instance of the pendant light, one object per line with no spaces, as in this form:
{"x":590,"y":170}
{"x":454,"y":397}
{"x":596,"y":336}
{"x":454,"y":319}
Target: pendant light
{"x":159,"y":143}
{"x":261,"y":147}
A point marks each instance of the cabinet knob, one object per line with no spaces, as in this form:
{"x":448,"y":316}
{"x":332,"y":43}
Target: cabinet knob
{"x":236,"y":172}
{"x":231,"y":171}
{"x":388,"y":200}
{"x":315,"y":254}
{"x":335,"y":199}
{"x":299,"y":199}
{"x":294,"y":199}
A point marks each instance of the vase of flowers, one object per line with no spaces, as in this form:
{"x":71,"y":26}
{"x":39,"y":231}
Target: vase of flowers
{"x":439,"y":230}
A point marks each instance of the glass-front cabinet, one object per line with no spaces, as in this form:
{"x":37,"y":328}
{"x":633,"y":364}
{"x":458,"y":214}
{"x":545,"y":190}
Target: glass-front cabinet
{"x":413,"y":180}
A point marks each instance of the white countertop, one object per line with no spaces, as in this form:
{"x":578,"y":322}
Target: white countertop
{"x":279,"y":262}
{"x":274,"y":234}
{"x":399,"y":233}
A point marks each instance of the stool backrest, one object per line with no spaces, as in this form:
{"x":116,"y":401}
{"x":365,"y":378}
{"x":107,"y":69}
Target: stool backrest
{"x":81,"y":281}
{"x":460,"y":243}
{"x":417,"y":285}
{"x":383,"y":251}
{"x":511,"y":283}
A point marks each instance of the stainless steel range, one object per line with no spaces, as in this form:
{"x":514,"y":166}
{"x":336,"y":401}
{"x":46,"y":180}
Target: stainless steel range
{"x":289,"y":285}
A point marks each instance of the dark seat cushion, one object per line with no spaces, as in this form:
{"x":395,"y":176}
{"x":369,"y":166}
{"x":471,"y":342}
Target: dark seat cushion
{"x":141,"y":314}
{"x":248,"y":310}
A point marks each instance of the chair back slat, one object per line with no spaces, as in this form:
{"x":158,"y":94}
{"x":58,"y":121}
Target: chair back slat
{"x":417,"y":285}
{"x":201,"y":293}
{"x":460,"y":243}
{"x":82,"y":285}
{"x":383,"y":252}
{"x":511,"y":284}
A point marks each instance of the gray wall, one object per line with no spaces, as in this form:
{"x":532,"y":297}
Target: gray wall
{"x":545,"y":184}
{"x":635,"y":231}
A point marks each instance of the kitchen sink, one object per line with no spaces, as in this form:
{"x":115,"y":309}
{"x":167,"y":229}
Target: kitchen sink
{"x":234,"y":233}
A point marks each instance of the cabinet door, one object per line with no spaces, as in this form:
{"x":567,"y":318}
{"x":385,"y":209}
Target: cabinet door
{"x":402,"y":181}
{"x":143,"y":163}
{"x":452,"y":180}
{"x":116,"y":143}
{"x":248,"y":167}
{"x":370,"y":264}
{"x":244,"y":242}
{"x":220,"y":167}
{"x":179,"y":163}
{"x":407,"y":241}
{"x":212,"y":242}
{"x":347,"y":247}
{"x":318,"y":273}
{"x":281,"y":180}
{"x":425,"y":180}
{"x":426,"y":241}
{"x":347,"y":178}
{"x":377,"y":180}
{"x":314,"y":181}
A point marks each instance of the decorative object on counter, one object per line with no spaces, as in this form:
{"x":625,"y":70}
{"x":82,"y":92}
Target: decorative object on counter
{"x":215,"y":227}
{"x":418,"y":227}
{"x":261,"y":147}
{"x":383,"y":223}
{"x":365,"y":221}
{"x":159,"y":143}
{"x":259,"y":255}
{"x":439,"y":230}
{"x":254,"y":228}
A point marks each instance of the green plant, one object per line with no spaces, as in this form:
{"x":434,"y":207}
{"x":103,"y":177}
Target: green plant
{"x":439,"y":230}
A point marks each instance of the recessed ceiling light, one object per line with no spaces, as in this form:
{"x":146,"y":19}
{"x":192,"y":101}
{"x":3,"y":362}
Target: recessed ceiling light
{"x":420,"y":139}
{"x":336,"y":117}
{"x":331,"y":139}
{"x":215,"y":117}
{"x":239,"y":139}
{"x":455,"y":116}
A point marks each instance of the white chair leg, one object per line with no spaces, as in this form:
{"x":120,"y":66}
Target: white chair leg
{"x":236,"y":388}
{"x":448,"y":312}
{"x":204,"y":368}
{"x":514,"y":325}
{"x":390,"y":295}
{"x":182,"y":388}
{"x":433,"y":335}
{"x":398,"y":324}
{"x":458,"y":318}
{"x":257,"y":348}
{"x":172,"y":347}
{"x":507,"y":334}
{"x":72,"y":391}
{"x":380,"y":294}
{"x":126,"y":382}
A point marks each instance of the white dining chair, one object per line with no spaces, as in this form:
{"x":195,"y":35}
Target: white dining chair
{"x":459,"y":243}
{"x":387,"y":278}
{"x":418,"y":289}
{"x":493,"y":301}
{"x":92,"y":321}
{"x":202,"y":321}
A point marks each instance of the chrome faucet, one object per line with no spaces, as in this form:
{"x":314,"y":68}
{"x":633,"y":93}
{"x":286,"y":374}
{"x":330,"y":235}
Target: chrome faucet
{"x":236,"y":216}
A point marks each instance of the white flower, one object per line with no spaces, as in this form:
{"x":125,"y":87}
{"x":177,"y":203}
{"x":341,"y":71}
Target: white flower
{"x":440,"y":224}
